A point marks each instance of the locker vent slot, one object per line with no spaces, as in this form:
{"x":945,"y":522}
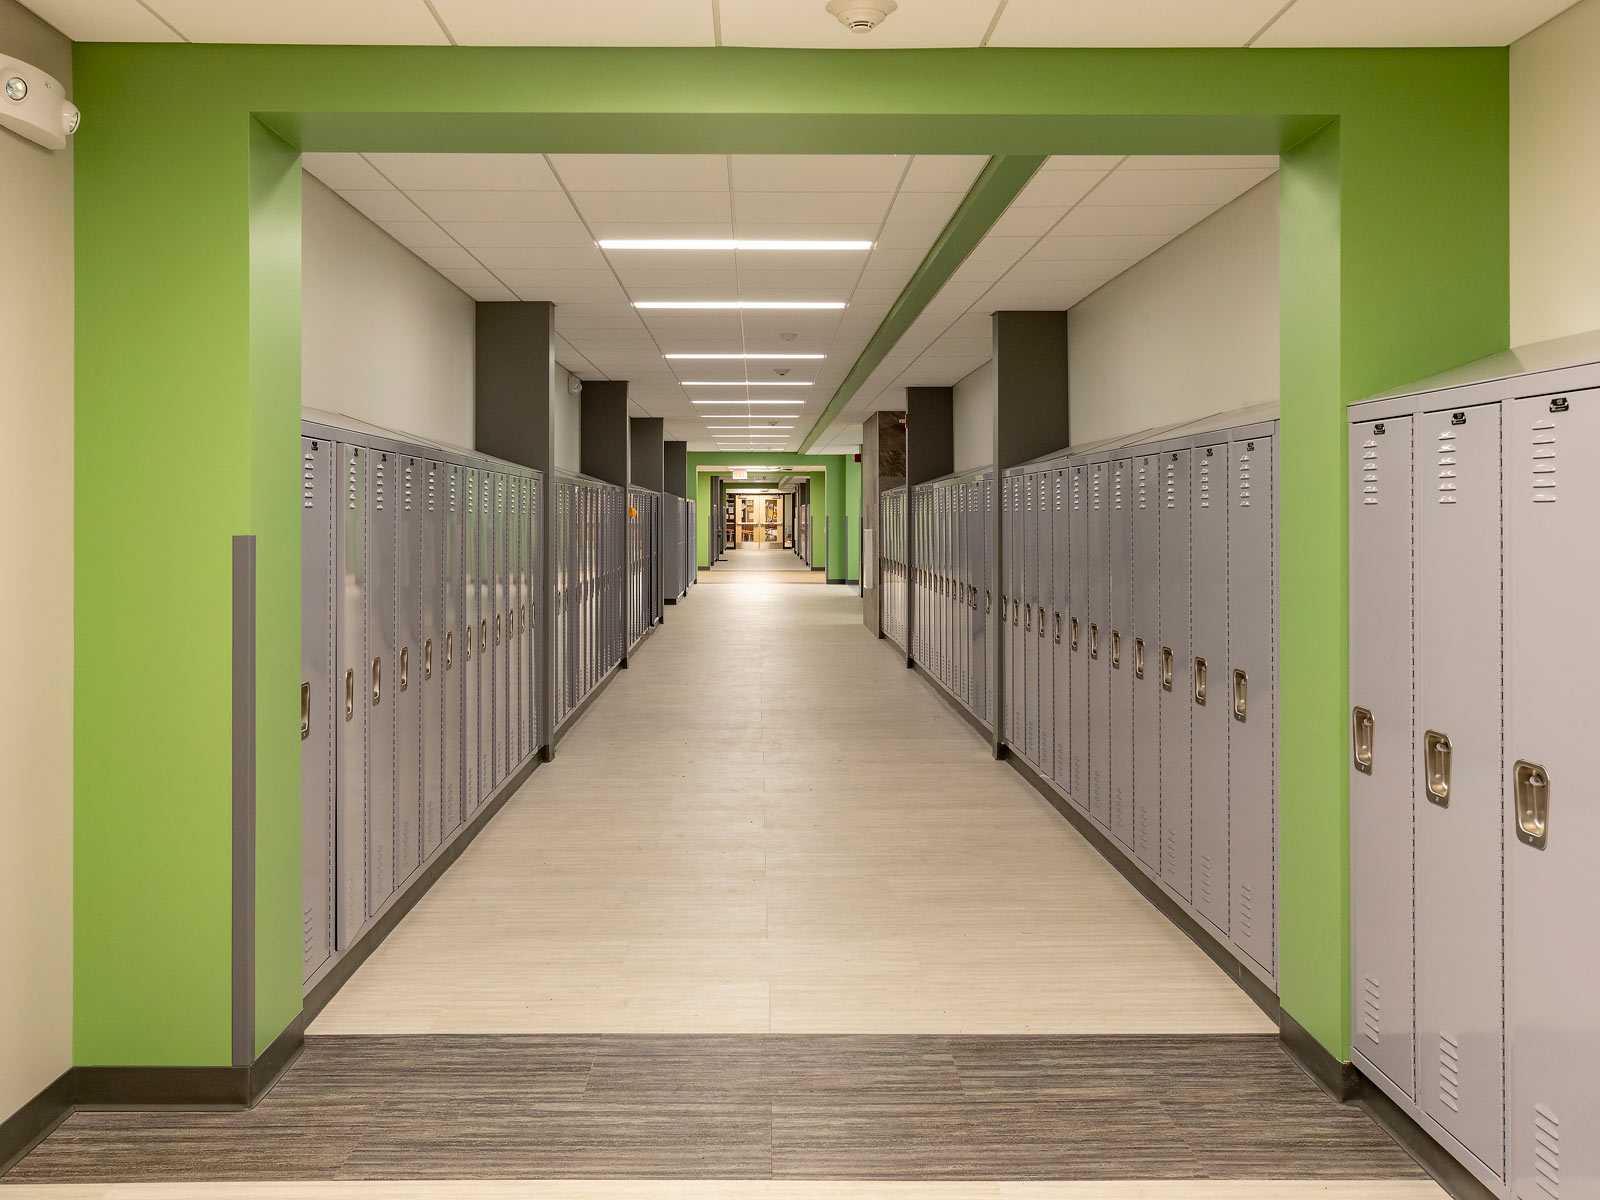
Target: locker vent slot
{"x":308,"y":922}
{"x":1544,"y":462}
{"x":1450,"y":1072}
{"x":1372,"y":1010}
{"x":1547,"y":1150}
{"x":308,"y":480}
{"x":1171,"y":489}
{"x":1369,"y":472}
{"x":1447,"y":468}
{"x":1245,"y":914}
{"x":1205,"y":483}
{"x":1205,"y":878}
{"x":1244,"y":479}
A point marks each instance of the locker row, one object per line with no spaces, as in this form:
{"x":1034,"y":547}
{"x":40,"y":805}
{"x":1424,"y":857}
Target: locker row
{"x":589,"y":559}
{"x":894,"y":566}
{"x":1131,"y":574}
{"x":419,"y":655}
{"x":645,"y":594}
{"x":1474,"y":818}
{"x":678,"y":565}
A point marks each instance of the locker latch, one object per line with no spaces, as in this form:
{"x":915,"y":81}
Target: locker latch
{"x":1436,"y":762}
{"x":1058,"y":629}
{"x":1166,"y":668}
{"x":1533,"y":804}
{"x":1361,"y":731}
{"x":1072,"y":624}
{"x":1241,"y":694}
{"x":1199,"y":681}
{"x":1016,"y":612}
{"x":1138,"y":658}
{"x":377,"y":681}
{"x":483,"y":634}
{"x":1094,"y":640}
{"x":988,"y":602}
{"x":1027,"y":622}
{"x":405,"y":668}
{"x":350,"y":694}
{"x":449,"y":649}
{"x":497,"y":629}
{"x":1116,"y":650}
{"x":1041,"y":621}
{"x":305,"y":711}
{"x":427,"y":659}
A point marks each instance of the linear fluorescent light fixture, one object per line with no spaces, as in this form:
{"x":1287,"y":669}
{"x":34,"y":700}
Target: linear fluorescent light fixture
{"x":739,"y":304}
{"x":729,"y":244}
{"x":747,"y":383}
{"x":723,"y":357}
{"x":789,"y":403}
{"x":749,"y":426}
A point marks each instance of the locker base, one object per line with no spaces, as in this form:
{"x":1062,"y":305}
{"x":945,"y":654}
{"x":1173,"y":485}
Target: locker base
{"x":1265,"y":998}
{"x":324,"y":989}
{"x":962,"y":711}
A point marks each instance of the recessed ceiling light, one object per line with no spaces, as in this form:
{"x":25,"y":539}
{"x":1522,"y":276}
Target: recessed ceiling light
{"x":727,"y":244}
{"x":779,"y":357}
{"x":790,"y":403}
{"x":749,"y":427}
{"x":733,"y":304}
{"x":746,"y":383}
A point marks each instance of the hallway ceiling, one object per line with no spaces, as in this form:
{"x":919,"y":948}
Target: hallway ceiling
{"x":805,"y":23}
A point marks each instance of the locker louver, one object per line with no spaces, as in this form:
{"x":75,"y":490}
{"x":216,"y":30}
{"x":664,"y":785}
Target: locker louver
{"x":1369,"y":476}
{"x":1547,"y":1150}
{"x":1544,"y":461}
{"x":1372,"y":1010}
{"x":1450,"y":1071}
{"x":1447,"y":467}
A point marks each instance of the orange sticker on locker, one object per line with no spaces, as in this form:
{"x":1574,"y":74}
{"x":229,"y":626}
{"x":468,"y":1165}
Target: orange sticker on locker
{"x":632,"y":511}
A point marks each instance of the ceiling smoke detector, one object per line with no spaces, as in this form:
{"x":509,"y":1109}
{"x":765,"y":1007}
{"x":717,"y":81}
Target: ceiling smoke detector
{"x":861,"y":16}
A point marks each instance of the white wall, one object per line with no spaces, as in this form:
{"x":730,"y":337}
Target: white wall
{"x":1555,"y":178}
{"x":1190,"y":331}
{"x":973,"y":419}
{"x":385,"y":338}
{"x":36,"y":321}
{"x":567,"y":417}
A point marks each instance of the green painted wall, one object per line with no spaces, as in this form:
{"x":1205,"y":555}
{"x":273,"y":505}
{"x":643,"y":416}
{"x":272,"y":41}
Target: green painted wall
{"x":852,"y":517}
{"x":1394,"y":218}
{"x":828,"y":465}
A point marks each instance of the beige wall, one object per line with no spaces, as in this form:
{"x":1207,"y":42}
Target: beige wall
{"x":566,"y":410}
{"x":35,"y":592}
{"x":972,"y":419}
{"x":385,"y":337}
{"x":1190,"y":331}
{"x":1555,"y":178}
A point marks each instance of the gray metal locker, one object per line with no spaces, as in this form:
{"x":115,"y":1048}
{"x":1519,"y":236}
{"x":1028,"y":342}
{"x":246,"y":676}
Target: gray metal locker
{"x":1027,"y":553}
{"x":1078,"y":632}
{"x":1174,"y":666}
{"x":317,"y":734}
{"x":408,"y":671}
{"x":984,"y":605}
{"x":1382,"y":752}
{"x":516,"y":621}
{"x":1099,"y":692}
{"x":1553,"y":973}
{"x":1208,"y":682}
{"x":1460,"y":997}
{"x":1120,"y":712}
{"x":531,"y":643}
{"x":429,"y":671}
{"x":382,"y":651}
{"x":483,"y":652}
{"x":1061,"y":648}
{"x":1143,"y":661}
{"x":1251,"y":687}
{"x":352,"y":693}
{"x":449,"y":651}
{"x":471,"y":660}
{"x":504,"y":728}
{"x":1043,"y":601}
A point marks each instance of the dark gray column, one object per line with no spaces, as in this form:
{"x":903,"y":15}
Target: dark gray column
{"x":604,"y":436}
{"x":930,"y":433}
{"x":516,"y":379}
{"x":1030,"y":420}
{"x":675,"y":469}
{"x":647,"y":466}
{"x":883,"y":466}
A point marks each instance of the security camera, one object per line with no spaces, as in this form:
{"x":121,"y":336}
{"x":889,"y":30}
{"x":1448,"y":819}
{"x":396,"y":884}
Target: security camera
{"x":861,"y":16}
{"x":574,"y":385}
{"x":35,"y":105}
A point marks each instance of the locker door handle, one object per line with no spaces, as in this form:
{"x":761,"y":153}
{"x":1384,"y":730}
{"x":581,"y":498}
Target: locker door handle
{"x":497,"y":629}
{"x":1027,"y":623}
{"x":377,"y":681}
{"x":1138,"y":658}
{"x":1533,"y":804}
{"x":1199,"y":681}
{"x":427,"y":659}
{"x":1016,"y":613}
{"x":1361,"y":736}
{"x":466,"y":642}
{"x":1241,"y":694}
{"x":1058,"y":629}
{"x":1072,"y":624}
{"x":1094,"y":640}
{"x":988,"y":602}
{"x":350,"y":694}
{"x":405,"y":668}
{"x":1116,"y":650}
{"x":1436,"y":753}
{"x":449,"y":649}
{"x":305,"y":711}
{"x":483,"y":634}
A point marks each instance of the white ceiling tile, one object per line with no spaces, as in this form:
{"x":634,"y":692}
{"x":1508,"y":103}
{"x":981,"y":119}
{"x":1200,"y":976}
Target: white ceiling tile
{"x":1411,"y":23}
{"x":1033,"y":270}
{"x":305,"y":22}
{"x":493,"y":206}
{"x":857,"y":231}
{"x":1042,"y":297}
{"x":1146,"y":219}
{"x":446,"y":256}
{"x":490,"y":291}
{"x":1000,"y":249}
{"x":817,"y":172}
{"x":832,"y":281}
{"x":476,"y":234}
{"x":417,"y":234}
{"x":943,"y":172}
{"x":794,"y":293}
{"x":1117,"y":23}
{"x":344,"y":171}
{"x":790,"y":260}
{"x":790,"y":24}
{"x":1025,"y":222}
{"x":383,"y":206}
{"x":921,"y":207}
{"x":642,"y":172}
{"x":577,"y":23}
{"x":1129,"y":247}
{"x":471,"y":277}
{"x":597,"y":207}
{"x":758,"y":208}
{"x":1199,"y":162}
{"x":467,"y":172}
{"x":910,"y":235}
{"x":650,"y":277}
{"x":104,"y":20}
{"x":1176,"y":187}
{"x":677,"y":260}
{"x":543,"y":257}
{"x":555,"y":278}
{"x":658,"y":228}
{"x":1057,"y":189}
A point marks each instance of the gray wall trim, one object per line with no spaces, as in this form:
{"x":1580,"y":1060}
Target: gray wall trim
{"x":604,"y":433}
{"x":675,"y":468}
{"x":930,"y":433}
{"x":244,"y":800}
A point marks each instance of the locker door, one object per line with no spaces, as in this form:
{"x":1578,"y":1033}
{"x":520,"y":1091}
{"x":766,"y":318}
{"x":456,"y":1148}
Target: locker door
{"x":1120,"y":713}
{"x":1382,"y":778}
{"x":1016,"y":720}
{"x":531,"y":643}
{"x":429,"y":672}
{"x":351,"y":693}
{"x":1043,"y":596}
{"x":1460,"y":1048}
{"x":408,"y":671}
{"x":983,"y":612}
{"x":1553,"y":972}
{"x":487,"y":526}
{"x":1209,"y":683}
{"x":1027,"y":586}
{"x":449,"y":651}
{"x":1252,"y":692}
{"x":1142,"y":661}
{"x":1174,"y":671}
{"x":1100,"y":643}
{"x":516,"y":621}
{"x":1078,"y":633}
{"x":504,"y":731}
{"x":317,"y":735}
{"x":1060,"y":768}
{"x":468,"y":657}
{"x":382,"y":651}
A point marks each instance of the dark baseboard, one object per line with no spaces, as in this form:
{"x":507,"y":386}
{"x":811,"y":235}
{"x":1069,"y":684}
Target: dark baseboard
{"x":961,"y":710}
{"x":317,"y":998}
{"x":1265,"y":999}
{"x":670,"y":600}
{"x":120,"y":1088}
{"x":1333,"y":1075}
{"x":35,"y":1120}
{"x":831,"y":579}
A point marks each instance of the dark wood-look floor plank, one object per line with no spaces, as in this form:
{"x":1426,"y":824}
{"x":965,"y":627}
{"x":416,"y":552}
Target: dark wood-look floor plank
{"x":751,"y":1107}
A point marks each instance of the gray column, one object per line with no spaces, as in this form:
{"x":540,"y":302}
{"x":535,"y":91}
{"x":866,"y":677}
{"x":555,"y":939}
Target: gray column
{"x":648,"y":456}
{"x":513,"y":411}
{"x":883,"y":466}
{"x":675,"y":468}
{"x":930,"y":433}
{"x":1030,"y":420}
{"x":604,"y":437}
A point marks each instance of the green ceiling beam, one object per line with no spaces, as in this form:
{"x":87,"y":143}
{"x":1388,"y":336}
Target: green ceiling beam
{"x":996,"y":187}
